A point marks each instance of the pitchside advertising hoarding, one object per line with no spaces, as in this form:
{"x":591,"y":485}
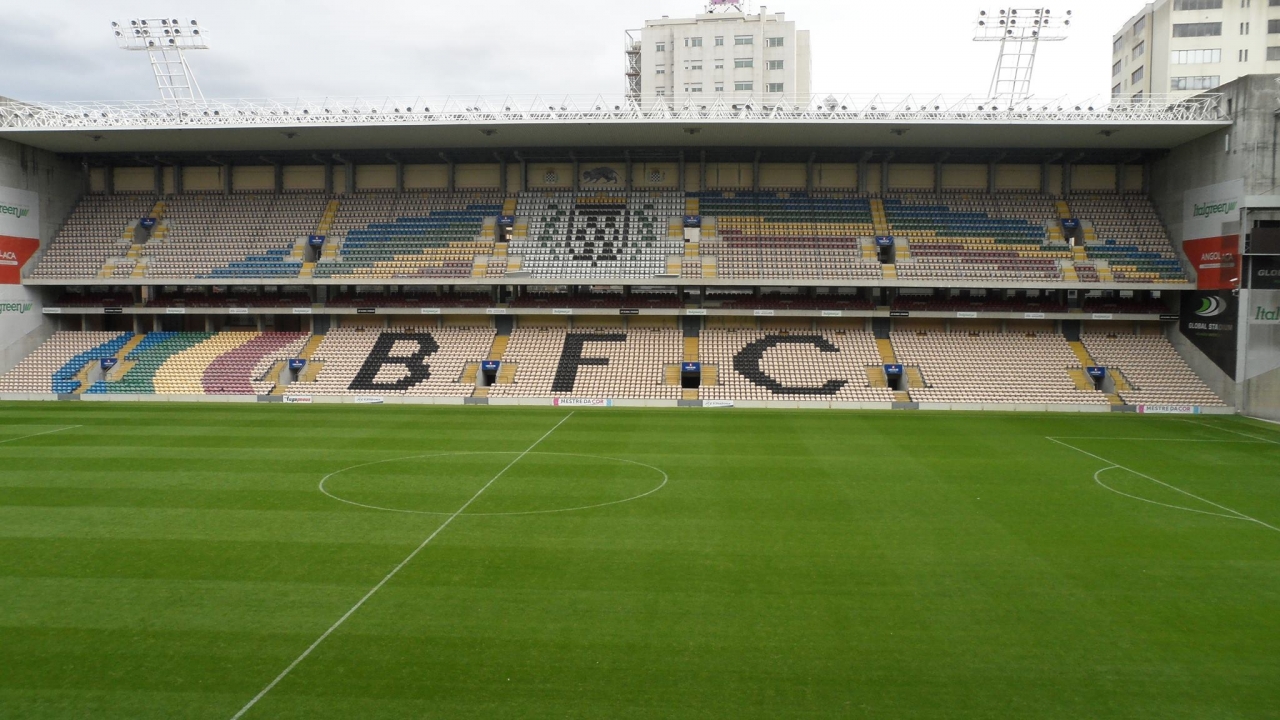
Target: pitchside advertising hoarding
{"x":1211,"y":234}
{"x":19,"y":232}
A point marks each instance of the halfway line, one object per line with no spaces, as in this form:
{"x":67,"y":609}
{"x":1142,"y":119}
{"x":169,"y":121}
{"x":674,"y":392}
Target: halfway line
{"x":46,"y":432}
{"x":393,"y":573}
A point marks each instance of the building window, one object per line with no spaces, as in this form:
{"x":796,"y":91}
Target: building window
{"x":693,"y":42}
{"x":693,"y":88}
{"x":660,"y":71}
{"x":1244,"y":28}
{"x":1140,"y":26}
{"x":719,"y":64}
{"x":1273,"y":27}
{"x":744,"y":62}
{"x":744,"y":40}
{"x":1118,"y":45}
{"x":1274,"y":3}
{"x":773,"y":42}
{"x":1209,"y":29}
{"x":694,"y":66}
{"x":660,"y":47}
{"x":1196,"y":57}
{"x":744,"y":86}
{"x":662,"y":92}
{"x":719,"y":87}
{"x":1139,"y":50}
{"x":775,"y":64}
{"x":1115,"y":69}
{"x":1242,"y":56}
{"x":1196,"y":82}
{"x":1115,"y":91}
{"x":719,"y":41}
{"x":1200,"y":4}
{"x":1246,"y":3}
{"x":774,"y":87}
{"x":1137,"y":76}
{"x":1273,"y":53}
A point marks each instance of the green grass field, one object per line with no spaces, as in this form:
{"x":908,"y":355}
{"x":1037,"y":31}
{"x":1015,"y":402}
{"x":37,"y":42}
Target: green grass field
{"x":172,"y":560}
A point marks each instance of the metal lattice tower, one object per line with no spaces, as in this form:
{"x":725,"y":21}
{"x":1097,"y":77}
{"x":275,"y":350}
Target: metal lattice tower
{"x":633,"y":64}
{"x":1019,"y":32}
{"x":165,"y":42}
{"x":725,"y":6}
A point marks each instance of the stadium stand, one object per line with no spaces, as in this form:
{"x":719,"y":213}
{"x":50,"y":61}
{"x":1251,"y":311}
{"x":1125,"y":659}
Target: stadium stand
{"x":970,"y":237}
{"x":413,"y":361}
{"x":599,"y":235}
{"x":55,"y":365}
{"x":751,"y":364}
{"x":597,"y":363}
{"x":1147,"y":370}
{"x":384,"y":236}
{"x":597,"y":300}
{"x":242,"y":236}
{"x":788,"y":235}
{"x":409,"y":298}
{"x":991,"y":368}
{"x":1124,"y":238}
{"x":98,"y":229}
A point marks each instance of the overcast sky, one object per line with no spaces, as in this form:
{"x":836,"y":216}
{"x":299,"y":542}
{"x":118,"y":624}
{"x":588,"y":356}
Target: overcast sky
{"x":64,"y":50}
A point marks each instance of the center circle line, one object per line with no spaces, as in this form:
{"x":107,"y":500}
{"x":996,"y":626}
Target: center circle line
{"x":323,"y":480}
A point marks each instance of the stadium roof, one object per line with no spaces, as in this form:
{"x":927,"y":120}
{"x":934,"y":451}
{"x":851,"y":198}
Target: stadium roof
{"x":511,"y":122}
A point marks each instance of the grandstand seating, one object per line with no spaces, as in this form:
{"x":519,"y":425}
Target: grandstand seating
{"x":791,"y":365}
{"x":552,"y":300}
{"x":1152,"y":368}
{"x":617,"y":363}
{"x":762,"y":235}
{"x":366,"y":361}
{"x":138,"y":369}
{"x":53,"y":367}
{"x":598,"y":235}
{"x":241,"y":236}
{"x":94,"y":232}
{"x":410,"y":299}
{"x":1125,"y":231}
{"x":991,"y":368}
{"x":975,"y":237}
{"x":384,"y":236}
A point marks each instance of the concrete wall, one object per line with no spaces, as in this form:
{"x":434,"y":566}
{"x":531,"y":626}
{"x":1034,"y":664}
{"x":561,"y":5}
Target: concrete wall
{"x":60,"y":183}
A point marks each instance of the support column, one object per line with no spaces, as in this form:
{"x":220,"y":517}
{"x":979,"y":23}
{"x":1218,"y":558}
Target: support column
{"x":399,"y":176}
{"x":350,"y":179}
{"x":808,"y":173}
{"x":1122,"y":170}
{"x":577,"y":175}
{"x":630,"y":171}
{"x":702,"y":171}
{"x":453,"y":177}
{"x":157,"y":179}
{"x":328,"y":177}
{"x":937,"y":177}
{"x":1066,"y":177}
{"x":755,"y":172}
{"x":681,"y":185}
{"x":227,"y":186}
{"x":1044,"y":178}
{"x":991,"y":177}
{"x":279,"y":178}
{"x":862,"y":173}
{"x":502,"y":174}
{"x":109,"y":179}
{"x":884,"y":176}
{"x":1146,"y":177}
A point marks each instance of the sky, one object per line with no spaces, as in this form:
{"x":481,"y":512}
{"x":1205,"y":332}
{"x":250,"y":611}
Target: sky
{"x":64,"y":49}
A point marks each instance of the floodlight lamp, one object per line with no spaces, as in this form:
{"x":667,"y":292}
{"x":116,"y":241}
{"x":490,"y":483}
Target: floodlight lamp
{"x":115,"y":24}
{"x":173,"y":22}
{"x":133,"y":23}
{"x":982,"y":13}
{"x":195,"y":32}
{"x":119,"y":34}
{"x":1066,"y":22}
{"x":193,"y":22}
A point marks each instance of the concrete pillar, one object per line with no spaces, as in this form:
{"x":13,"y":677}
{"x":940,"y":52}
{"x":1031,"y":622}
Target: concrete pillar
{"x":157,"y":183}
{"x":399,"y":176}
{"x":1066,"y":177}
{"x":630,"y":171}
{"x":937,"y":177}
{"x":178,"y":184}
{"x":702,"y":171}
{"x":109,"y":179}
{"x":226,"y":179}
{"x":1146,"y":177}
{"x":1122,"y":170}
{"x":862,"y":175}
{"x":680,"y":182}
{"x":328,"y":177}
{"x":884,"y":176}
{"x":755,"y":172}
{"x":279,"y":177}
{"x":808,"y":174}
{"x":453,"y":177}
{"x":577,"y":175}
{"x":991,"y":177}
{"x":351,"y":178}
{"x":502,"y":175}
{"x":1044,"y":178}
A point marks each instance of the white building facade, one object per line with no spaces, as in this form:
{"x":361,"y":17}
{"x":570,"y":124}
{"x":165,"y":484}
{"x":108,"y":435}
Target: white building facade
{"x":725,"y":55}
{"x":1185,"y":47}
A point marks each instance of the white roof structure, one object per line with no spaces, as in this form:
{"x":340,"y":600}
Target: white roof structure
{"x":912,"y":120}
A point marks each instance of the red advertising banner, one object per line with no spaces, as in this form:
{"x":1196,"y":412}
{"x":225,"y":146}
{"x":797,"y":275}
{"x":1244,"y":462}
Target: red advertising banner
{"x":14,"y":253}
{"x":1216,"y":260}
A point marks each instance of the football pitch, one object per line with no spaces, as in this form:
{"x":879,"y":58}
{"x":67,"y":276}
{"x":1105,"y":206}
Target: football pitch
{"x":226,"y":561}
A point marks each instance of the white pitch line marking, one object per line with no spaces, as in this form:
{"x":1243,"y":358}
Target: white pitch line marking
{"x":392,"y":574}
{"x":1080,"y":437}
{"x":46,"y":432}
{"x":1233,"y":432}
{"x":1098,"y":479}
{"x":1236,"y":513}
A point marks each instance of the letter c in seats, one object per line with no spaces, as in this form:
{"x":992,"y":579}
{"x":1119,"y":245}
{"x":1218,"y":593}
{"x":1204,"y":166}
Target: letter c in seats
{"x":747,"y":364}
{"x":380,"y":356}
{"x":571,"y":358}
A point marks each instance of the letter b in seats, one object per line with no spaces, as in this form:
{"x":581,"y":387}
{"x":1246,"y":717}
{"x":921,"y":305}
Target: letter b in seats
{"x":416,"y":370}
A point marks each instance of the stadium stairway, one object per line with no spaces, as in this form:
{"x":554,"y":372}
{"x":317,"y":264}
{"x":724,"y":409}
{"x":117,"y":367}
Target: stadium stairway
{"x":1078,"y":348}
{"x":506,"y":371}
{"x":309,"y":373}
{"x":876,"y":378}
{"x":879,"y":218}
{"x":915,"y":378}
{"x":885,"y":346}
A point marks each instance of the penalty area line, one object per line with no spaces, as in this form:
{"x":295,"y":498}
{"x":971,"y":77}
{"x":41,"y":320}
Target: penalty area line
{"x":1236,"y":514}
{"x":393,"y":573}
{"x":46,"y":432}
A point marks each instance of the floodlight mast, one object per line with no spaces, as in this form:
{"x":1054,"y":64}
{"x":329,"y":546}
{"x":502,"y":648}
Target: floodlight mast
{"x":165,"y":42}
{"x":714,"y":6}
{"x":1019,"y":32}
